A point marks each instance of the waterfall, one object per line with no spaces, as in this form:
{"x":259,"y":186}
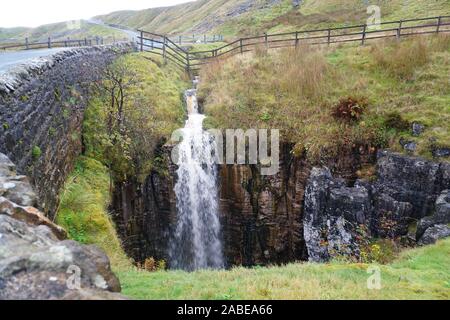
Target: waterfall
{"x":196,"y":242}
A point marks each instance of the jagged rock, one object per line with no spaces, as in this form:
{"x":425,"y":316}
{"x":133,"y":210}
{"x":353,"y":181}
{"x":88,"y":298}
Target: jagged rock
{"x":412,"y":180}
{"x":441,"y":152}
{"x":406,"y":190}
{"x":31,"y":216}
{"x":409,"y":146}
{"x":17,"y":199}
{"x":441,"y":215}
{"x":34,"y":264}
{"x":435,"y":233}
{"x":391,"y":218}
{"x":331,"y":216}
{"x":417,"y":129}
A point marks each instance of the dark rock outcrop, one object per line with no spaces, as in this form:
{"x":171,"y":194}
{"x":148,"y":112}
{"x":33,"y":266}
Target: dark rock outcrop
{"x":435,"y":233}
{"x":35,"y":260}
{"x":407,"y":189}
{"x":440,"y":217}
{"x":261,"y":216}
{"x":332,"y":214}
{"x":41,"y":112}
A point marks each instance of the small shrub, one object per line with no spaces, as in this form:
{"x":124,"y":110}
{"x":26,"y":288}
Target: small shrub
{"x":350,"y":108}
{"x":36,"y":152}
{"x":394,"y":120}
{"x":152,"y":265}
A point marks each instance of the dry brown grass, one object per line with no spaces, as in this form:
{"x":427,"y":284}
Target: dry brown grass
{"x":401,"y":59}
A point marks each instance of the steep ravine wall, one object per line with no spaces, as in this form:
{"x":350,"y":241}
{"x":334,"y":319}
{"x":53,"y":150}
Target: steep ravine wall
{"x":41,"y":113}
{"x":262,"y":217}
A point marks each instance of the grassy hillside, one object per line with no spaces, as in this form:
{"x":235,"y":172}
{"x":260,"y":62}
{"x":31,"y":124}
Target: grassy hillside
{"x":392,"y":84}
{"x":243,"y":17}
{"x":58,"y":31}
{"x":199,"y":16}
{"x":417,"y":274}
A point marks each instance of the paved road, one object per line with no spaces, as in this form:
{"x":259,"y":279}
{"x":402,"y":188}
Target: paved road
{"x":12,"y":58}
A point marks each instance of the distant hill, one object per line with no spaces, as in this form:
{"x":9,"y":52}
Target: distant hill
{"x":58,"y":31}
{"x":243,"y":17}
{"x":234,"y":17}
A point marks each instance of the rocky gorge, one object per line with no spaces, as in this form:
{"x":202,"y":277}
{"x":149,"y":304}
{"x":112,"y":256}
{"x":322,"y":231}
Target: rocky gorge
{"x":301,"y":213}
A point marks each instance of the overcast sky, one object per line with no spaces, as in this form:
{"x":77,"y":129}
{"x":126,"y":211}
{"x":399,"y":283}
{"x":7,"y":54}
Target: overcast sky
{"x":32,"y":13}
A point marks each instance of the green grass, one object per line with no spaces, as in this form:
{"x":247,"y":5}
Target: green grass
{"x":417,"y":274}
{"x":83,"y":210}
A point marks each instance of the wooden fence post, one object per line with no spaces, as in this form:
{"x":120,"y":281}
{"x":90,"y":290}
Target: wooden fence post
{"x":142,"y":41}
{"x":399,"y":30}
{"x":364,"y":35}
{"x":329,"y":36}
{"x":188,"y":63}
{"x":181,"y":40}
{"x":241,"y":45}
{"x":296,"y":39}
{"x":205,"y":38}
{"x":85,"y":42}
{"x":27,"y":45}
{"x":266,"y":40}
{"x":439,"y":24}
{"x":49,"y":43}
{"x":164,"y":49}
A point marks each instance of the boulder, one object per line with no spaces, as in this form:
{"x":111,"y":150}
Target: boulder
{"x":440,"y":217}
{"x":417,"y":129}
{"x":34,"y":264}
{"x":435,"y":233}
{"x":332,"y":215}
{"x":31,"y":216}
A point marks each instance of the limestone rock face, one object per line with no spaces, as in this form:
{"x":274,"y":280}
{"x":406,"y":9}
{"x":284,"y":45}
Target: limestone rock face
{"x":435,"y":233}
{"x":407,"y":189}
{"x":34,"y":262}
{"x":440,"y":217}
{"x":332,"y":214}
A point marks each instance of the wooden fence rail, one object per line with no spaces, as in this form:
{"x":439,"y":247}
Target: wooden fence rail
{"x":27,"y":45}
{"x":192,"y":61}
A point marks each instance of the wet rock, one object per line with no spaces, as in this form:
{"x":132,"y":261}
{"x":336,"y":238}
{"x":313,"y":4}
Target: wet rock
{"x":34,"y":264}
{"x":30,"y":215}
{"x":390,"y":217}
{"x":435,"y":233}
{"x":409,"y":146}
{"x":417,"y":129}
{"x":441,"y":152}
{"x":441,"y":215}
{"x":412,"y":180}
{"x":332,"y":214}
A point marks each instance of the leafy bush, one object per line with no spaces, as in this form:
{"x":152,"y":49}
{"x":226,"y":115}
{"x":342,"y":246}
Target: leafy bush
{"x":350,"y":109}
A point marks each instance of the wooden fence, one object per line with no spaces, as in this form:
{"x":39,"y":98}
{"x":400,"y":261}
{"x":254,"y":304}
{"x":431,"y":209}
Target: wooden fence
{"x":28,"y":45}
{"x":192,"y":61}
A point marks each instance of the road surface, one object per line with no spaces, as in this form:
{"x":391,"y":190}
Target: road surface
{"x":13,"y":58}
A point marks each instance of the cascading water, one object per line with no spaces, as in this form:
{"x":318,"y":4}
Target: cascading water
{"x":196,"y":243}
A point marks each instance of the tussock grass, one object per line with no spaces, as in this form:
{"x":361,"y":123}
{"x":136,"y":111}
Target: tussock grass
{"x":296,"y":91}
{"x":84,"y":213}
{"x":417,"y":274}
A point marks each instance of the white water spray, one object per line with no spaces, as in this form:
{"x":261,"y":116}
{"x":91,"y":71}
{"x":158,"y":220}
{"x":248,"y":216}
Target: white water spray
{"x":196,"y":242}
